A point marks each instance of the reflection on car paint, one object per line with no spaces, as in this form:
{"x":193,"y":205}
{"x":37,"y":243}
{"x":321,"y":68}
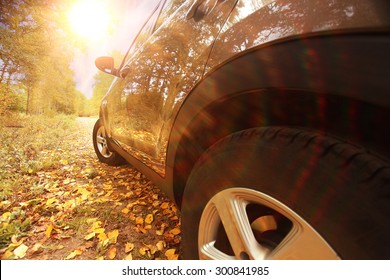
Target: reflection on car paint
{"x":141,"y":107}
{"x":163,"y":71}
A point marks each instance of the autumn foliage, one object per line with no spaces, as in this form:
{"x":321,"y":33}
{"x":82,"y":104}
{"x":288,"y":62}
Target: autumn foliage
{"x":58,"y":202}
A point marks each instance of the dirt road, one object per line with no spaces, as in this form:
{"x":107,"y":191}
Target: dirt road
{"x":83,"y":209}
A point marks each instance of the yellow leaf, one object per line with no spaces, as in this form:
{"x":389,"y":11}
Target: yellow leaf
{"x":102,"y":236}
{"x":164,"y":205}
{"x":161,"y":245}
{"x":170,"y":254}
{"x":20,"y":252}
{"x":5,"y":216}
{"x":84,"y":193}
{"x":139,"y":221}
{"x":160,"y":232}
{"x":36,"y":247}
{"x":30,"y":170}
{"x":132,"y":216}
{"x":125,"y":210}
{"x":70,"y":204}
{"x":66,"y":181}
{"x":90,"y":236}
{"x":111,"y":253}
{"x":8,"y":255}
{"x":49,"y":230}
{"x":143,"y":250}
{"x":15,"y":241}
{"x":74,"y":254}
{"x":50,"y":201}
{"x":175,"y":231}
{"x":96,"y":224}
{"x":174,"y":257}
{"x":129,"y":247}
{"x":113,"y":235}
{"x":129,"y":257}
{"x":59,"y":247}
{"x":149,"y":219}
{"x":99,"y":230}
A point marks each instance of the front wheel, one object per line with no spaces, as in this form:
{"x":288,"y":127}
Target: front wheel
{"x":101,"y":147}
{"x":281,"y":193}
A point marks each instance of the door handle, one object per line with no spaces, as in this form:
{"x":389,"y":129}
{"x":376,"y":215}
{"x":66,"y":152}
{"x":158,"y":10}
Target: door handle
{"x":196,"y":13}
{"x":194,"y":7}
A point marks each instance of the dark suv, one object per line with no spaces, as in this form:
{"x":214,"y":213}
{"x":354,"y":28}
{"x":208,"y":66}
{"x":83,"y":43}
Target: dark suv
{"x":264,"y":120}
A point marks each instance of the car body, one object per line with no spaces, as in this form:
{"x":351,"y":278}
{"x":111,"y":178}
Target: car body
{"x":272,"y":107}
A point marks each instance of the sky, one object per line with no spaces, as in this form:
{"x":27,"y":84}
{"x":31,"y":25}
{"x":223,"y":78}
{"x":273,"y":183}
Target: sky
{"x":127,"y":17}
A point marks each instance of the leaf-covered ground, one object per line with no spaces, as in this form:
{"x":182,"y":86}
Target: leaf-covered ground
{"x":58,"y":202}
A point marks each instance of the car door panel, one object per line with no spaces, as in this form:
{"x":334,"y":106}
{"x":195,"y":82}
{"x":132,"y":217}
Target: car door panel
{"x":159,"y":76}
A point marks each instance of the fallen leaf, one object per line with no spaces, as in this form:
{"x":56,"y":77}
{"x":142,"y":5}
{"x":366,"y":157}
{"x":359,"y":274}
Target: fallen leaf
{"x":90,"y":236}
{"x":74,"y":254}
{"x":5,"y":217}
{"x":149,"y":219}
{"x":139,"y":221}
{"x":20,"y":252}
{"x":50,"y":201}
{"x":8,"y":255}
{"x":111,"y":253}
{"x":129,"y":257}
{"x":175,"y":231}
{"x":99,"y":230}
{"x":161,"y":245}
{"x":170,"y":254}
{"x":143,"y":250}
{"x":49,"y":230}
{"x":58,"y":247}
{"x":164,"y":205}
{"x":129,"y":247}
{"x":113,"y":235}
{"x":66,"y":181}
{"x":15,"y":241}
{"x":102,"y":236}
{"x":36,"y":247}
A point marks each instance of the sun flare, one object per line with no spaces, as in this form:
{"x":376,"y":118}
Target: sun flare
{"x":90,"y":19}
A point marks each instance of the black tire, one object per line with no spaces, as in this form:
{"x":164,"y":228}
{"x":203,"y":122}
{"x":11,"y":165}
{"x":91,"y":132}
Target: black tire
{"x":290,"y":179}
{"x":101,"y":147}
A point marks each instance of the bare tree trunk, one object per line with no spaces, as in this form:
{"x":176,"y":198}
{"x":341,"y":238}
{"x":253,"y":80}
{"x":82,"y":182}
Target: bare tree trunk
{"x":3,"y":70}
{"x":28,"y":99}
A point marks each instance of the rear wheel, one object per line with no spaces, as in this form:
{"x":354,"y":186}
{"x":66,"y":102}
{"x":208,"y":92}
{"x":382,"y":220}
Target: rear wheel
{"x":280,"y":193}
{"x":101,"y":147}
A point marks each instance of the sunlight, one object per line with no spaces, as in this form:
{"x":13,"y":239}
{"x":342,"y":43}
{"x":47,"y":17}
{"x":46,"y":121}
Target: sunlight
{"x":90,"y":19}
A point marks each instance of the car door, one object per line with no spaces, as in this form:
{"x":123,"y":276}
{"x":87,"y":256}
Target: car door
{"x":159,"y":74}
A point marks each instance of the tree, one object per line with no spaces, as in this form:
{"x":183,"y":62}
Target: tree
{"x":35,"y":54}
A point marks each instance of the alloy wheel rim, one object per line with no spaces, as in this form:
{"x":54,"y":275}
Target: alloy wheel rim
{"x":256,"y":226}
{"x":101,"y":142}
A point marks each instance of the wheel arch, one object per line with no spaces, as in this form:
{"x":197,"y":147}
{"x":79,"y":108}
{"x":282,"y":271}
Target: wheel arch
{"x":336,"y":84}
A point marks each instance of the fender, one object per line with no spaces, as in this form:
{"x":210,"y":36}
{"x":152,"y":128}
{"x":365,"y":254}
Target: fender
{"x":336,"y":84}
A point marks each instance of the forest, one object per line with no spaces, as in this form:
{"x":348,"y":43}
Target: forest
{"x":36,"y":52}
{"x":57,"y":201}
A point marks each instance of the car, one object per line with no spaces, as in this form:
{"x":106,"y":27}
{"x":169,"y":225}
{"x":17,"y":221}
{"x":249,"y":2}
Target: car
{"x":265,"y":121}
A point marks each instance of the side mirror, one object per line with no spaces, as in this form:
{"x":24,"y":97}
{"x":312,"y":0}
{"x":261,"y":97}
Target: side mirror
{"x":106,"y":64}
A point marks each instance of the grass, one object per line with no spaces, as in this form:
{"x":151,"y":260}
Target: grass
{"x":29,"y":144}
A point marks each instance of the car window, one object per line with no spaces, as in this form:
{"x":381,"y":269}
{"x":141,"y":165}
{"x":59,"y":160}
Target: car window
{"x":170,"y":7}
{"x":146,"y":30}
